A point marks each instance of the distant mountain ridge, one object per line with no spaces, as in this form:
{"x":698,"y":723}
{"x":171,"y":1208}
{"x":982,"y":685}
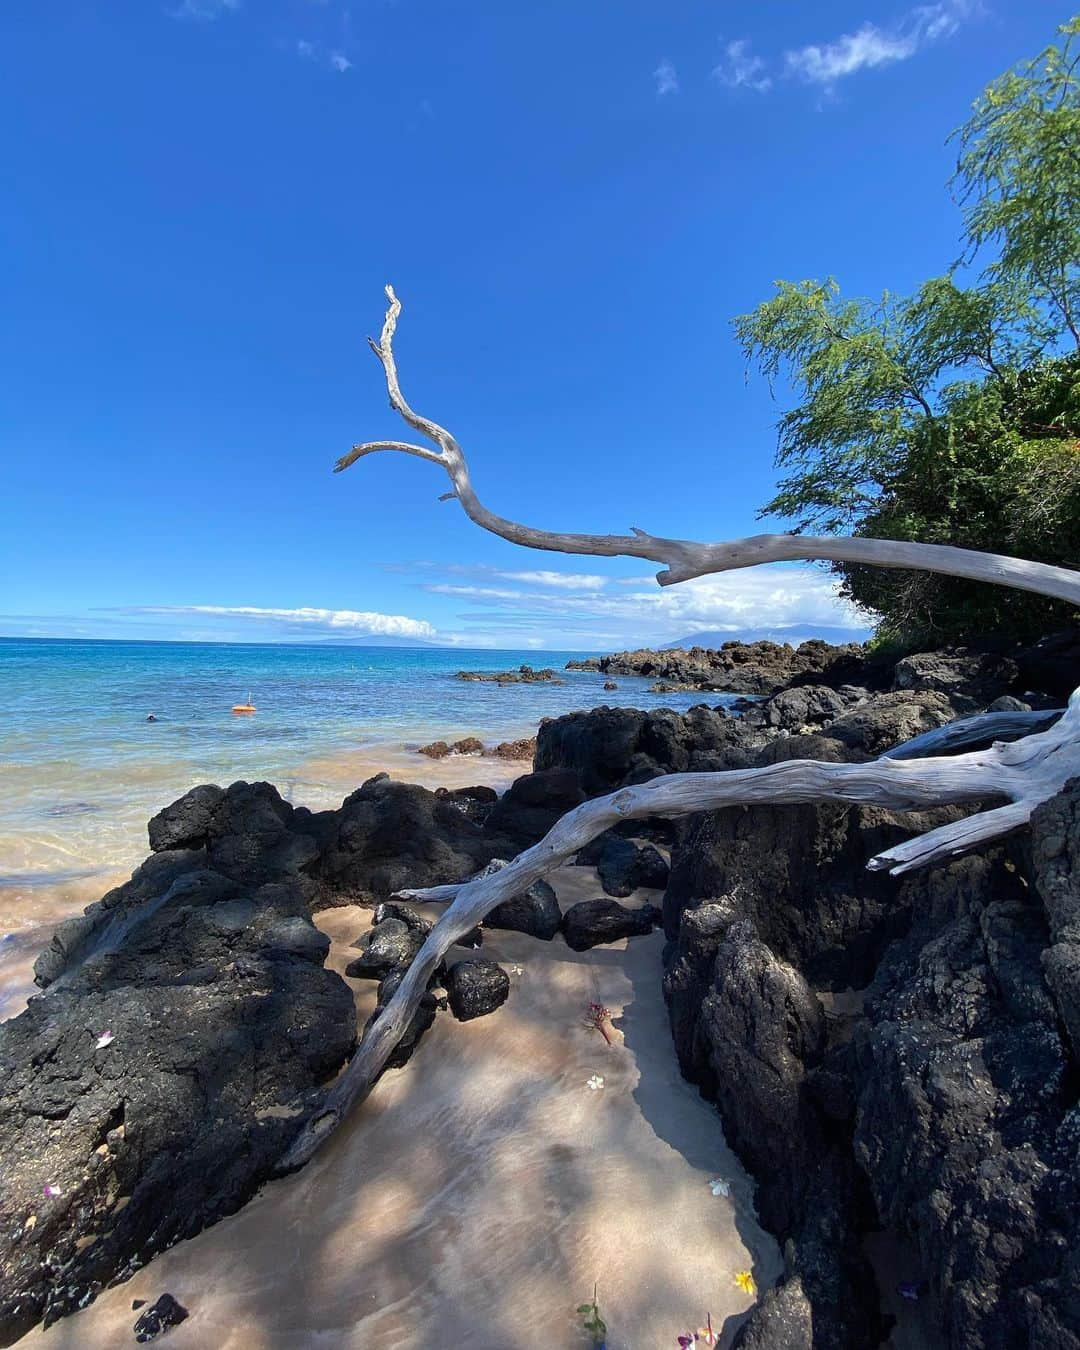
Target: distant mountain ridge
{"x":792,"y":633}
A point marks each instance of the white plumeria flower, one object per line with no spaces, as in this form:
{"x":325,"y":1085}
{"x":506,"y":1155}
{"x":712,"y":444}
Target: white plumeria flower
{"x":595,"y":1083}
{"x":106,"y":1038}
{"x":719,"y":1186}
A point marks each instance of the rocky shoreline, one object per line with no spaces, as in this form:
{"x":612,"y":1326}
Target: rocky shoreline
{"x":887,"y":1055}
{"x":735,"y":668}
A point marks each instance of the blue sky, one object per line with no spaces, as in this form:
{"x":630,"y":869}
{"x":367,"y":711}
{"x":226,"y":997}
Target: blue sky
{"x":204,"y":198}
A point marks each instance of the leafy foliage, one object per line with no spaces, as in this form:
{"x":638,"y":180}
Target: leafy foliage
{"x":950,"y":416}
{"x":1000,"y":470}
{"x":1019,"y":180}
{"x":592,"y":1322}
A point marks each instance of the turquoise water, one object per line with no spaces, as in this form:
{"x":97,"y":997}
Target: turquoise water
{"x":83,"y":768}
{"x":91,"y":699}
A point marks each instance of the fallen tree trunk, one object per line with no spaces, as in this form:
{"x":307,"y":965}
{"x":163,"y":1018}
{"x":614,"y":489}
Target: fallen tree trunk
{"x":1024,"y":773}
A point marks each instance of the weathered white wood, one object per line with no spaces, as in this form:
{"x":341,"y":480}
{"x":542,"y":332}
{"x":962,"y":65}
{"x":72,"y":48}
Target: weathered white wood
{"x":683,"y":557}
{"x":1025,"y":773}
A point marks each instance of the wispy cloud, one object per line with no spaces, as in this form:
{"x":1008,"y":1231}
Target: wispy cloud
{"x":473,"y":592}
{"x":741,"y":69}
{"x":637,"y":610}
{"x":871,"y":46}
{"x":482,"y":572}
{"x":529,"y":609}
{"x":565,"y":581}
{"x":204,"y":9}
{"x":667,"y":80}
{"x":301,"y":619}
{"x":312,"y":51}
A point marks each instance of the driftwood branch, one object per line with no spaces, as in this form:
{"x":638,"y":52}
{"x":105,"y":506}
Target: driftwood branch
{"x":1023,"y":773}
{"x":683,"y":558}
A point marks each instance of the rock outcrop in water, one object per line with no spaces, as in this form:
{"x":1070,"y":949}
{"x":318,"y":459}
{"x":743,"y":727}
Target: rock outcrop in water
{"x":523,"y":675}
{"x":736,"y":667}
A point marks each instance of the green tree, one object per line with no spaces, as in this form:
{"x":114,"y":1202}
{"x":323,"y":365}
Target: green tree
{"x":950,"y":415}
{"x":1018,"y":178}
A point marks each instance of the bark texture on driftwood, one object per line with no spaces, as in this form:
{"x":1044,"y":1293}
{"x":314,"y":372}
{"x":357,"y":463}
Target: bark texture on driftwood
{"x":1023,"y":773}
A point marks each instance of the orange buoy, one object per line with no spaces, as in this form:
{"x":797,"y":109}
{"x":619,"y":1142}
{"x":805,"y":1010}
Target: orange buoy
{"x":247,"y":707}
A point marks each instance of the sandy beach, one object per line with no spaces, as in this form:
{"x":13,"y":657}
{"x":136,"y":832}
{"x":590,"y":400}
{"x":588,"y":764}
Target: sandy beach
{"x":480,"y":1192}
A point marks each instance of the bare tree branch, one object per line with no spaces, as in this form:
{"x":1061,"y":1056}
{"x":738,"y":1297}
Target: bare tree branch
{"x":683,"y":558}
{"x":1024,"y":773}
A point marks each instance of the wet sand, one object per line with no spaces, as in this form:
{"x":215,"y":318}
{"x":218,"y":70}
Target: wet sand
{"x":479,"y":1192}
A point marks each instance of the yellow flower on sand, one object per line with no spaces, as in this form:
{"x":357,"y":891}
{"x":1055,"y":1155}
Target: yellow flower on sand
{"x":745,"y":1281}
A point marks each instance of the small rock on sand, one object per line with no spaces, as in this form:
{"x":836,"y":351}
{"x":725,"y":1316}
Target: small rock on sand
{"x":159,"y":1317}
{"x":476,"y":988}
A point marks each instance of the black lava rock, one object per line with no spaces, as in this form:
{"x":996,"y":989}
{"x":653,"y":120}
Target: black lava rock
{"x":623,"y":865}
{"x":592,"y":922}
{"x":186,"y":1023}
{"x":536,"y":912}
{"x":394,"y":909}
{"x":388,"y":946}
{"x":159,"y":1317}
{"x":475,"y":988}
{"x":532,"y":804}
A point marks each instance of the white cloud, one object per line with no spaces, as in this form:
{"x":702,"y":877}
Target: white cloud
{"x":204,"y":9}
{"x":667,"y":80}
{"x":870,"y":46}
{"x":864,"y":49}
{"x":640,"y":611}
{"x":568,"y":581}
{"x":474,"y":592}
{"x":484,"y":573}
{"x":312,"y":51}
{"x":740,"y":69}
{"x":765,"y":596}
{"x":328,"y":620}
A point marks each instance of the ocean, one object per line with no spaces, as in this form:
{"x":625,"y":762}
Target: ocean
{"x":83,"y":770}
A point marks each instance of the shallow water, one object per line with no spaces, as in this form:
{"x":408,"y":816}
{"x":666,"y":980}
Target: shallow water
{"x":83,"y":770}
{"x":478,"y":1194}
